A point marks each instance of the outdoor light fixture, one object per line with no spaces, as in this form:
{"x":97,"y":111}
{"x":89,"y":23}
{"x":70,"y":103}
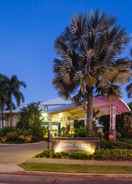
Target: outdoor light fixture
{"x":45,"y":107}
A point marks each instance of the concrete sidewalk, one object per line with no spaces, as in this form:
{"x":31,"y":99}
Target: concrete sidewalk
{"x":79,"y":162}
{"x":10,"y":168}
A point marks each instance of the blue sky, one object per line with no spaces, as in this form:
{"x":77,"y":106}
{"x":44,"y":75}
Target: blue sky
{"x":28,"y":29}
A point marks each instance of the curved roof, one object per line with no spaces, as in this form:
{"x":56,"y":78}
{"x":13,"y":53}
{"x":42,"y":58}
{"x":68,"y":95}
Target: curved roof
{"x":100,"y":102}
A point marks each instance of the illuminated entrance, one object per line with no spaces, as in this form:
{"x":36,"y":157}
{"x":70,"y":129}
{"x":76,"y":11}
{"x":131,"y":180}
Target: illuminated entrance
{"x":70,"y":115}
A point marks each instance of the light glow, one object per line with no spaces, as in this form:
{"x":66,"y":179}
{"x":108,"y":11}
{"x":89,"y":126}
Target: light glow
{"x":44,"y":116}
{"x":67,"y":146}
{"x":60,"y":115}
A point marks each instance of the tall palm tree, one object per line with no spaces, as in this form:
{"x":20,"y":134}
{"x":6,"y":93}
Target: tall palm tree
{"x":14,"y":95}
{"x":89,"y":61}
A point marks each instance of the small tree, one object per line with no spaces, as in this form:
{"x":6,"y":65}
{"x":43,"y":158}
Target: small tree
{"x":30,"y":118}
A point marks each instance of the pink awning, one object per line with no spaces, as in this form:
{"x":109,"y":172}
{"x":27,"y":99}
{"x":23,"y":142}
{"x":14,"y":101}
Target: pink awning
{"x":103,"y":104}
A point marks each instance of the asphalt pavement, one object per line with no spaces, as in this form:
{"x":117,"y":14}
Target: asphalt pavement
{"x":62,"y":179}
{"x":18,"y":153}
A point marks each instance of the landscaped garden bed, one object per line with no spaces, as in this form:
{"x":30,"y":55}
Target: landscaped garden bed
{"x":18,"y":136}
{"x":100,"y":154}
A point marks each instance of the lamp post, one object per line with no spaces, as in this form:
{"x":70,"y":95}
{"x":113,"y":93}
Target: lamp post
{"x":49,"y":135}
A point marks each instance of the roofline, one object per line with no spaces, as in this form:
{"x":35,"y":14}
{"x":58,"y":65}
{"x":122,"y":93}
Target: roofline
{"x":125,"y":104}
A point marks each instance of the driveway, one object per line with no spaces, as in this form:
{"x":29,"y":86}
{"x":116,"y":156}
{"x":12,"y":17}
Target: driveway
{"x":18,"y":153}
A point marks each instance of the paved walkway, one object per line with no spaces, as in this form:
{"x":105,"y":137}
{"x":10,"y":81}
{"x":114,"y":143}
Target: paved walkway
{"x":80,"y":162}
{"x":10,"y":168}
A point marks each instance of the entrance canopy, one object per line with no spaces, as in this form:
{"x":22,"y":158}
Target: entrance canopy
{"x":101,"y":103}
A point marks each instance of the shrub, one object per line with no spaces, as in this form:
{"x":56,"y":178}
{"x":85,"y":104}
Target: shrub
{"x":123,"y":144}
{"x":106,"y":144}
{"x":82,"y":132}
{"x":28,"y":138}
{"x":3,"y":139}
{"x":31,"y":119}
{"x":79,"y":155}
{"x":12,"y":136}
{"x":15,"y":135}
{"x":113,"y":154}
{"x":4,"y":131}
{"x":70,"y":155}
{"x":101,"y":154}
{"x":45,"y":154}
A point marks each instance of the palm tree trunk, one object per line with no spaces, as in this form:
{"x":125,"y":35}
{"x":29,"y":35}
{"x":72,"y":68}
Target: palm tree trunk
{"x":2,"y":118}
{"x":11,"y":118}
{"x":89,"y":113}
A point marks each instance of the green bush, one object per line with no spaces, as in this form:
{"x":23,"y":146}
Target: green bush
{"x":70,"y":155}
{"x":12,"y":136}
{"x":4,"y":131}
{"x":113,"y":154}
{"x":79,"y":155}
{"x":100,"y":154}
{"x":106,"y":144}
{"x":123,"y":144}
{"x":82,"y":132}
{"x":31,"y":119}
{"x":46,"y":154}
{"x":15,"y":135}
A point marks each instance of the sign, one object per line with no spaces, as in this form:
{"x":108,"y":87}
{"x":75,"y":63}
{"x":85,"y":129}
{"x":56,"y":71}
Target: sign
{"x":72,"y":145}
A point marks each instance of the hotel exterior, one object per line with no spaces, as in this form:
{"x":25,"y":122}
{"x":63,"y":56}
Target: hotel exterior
{"x":65,"y":114}
{"x":62,"y":113}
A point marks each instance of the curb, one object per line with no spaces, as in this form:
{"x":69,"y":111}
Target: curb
{"x":79,"y":162}
{"x":13,"y":144}
{"x":42,"y":173}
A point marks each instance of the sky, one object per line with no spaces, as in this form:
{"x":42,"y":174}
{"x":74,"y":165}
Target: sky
{"x":28,"y":29}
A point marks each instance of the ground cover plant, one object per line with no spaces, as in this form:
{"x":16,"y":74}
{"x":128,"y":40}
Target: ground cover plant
{"x":100,"y":154}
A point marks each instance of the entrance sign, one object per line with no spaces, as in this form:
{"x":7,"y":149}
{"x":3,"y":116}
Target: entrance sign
{"x":87,"y":145}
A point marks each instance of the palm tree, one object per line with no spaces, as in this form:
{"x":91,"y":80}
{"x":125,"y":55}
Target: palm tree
{"x":3,"y":96}
{"x":89,"y":61}
{"x":14,"y":95}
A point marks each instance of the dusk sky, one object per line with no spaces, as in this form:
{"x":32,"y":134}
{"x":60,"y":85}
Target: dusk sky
{"x":28,"y":29}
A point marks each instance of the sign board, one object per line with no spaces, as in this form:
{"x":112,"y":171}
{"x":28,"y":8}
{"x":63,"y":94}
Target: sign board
{"x":73,"y":145}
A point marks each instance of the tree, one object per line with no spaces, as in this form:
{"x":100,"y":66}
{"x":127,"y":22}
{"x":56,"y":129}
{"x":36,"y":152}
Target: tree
{"x":89,"y":61}
{"x":10,"y":94}
{"x":31,"y":119}
{"x":3,"y":96}
{"x":14,"y":95}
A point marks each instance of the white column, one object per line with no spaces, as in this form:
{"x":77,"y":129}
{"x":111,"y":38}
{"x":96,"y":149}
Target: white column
{"x":112,"y":125}
{"x":113,"y":118}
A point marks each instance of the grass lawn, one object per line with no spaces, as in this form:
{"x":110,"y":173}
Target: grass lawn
{"x":77,"y":168}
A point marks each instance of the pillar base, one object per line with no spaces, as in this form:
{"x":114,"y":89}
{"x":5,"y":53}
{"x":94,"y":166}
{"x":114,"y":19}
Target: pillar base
{"x":112,"y":136}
